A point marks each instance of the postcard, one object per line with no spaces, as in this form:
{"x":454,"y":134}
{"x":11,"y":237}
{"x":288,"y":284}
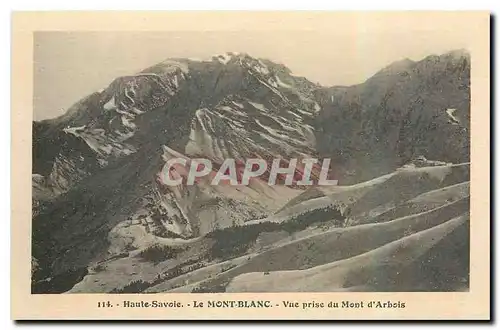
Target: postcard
{"x":250,"y":165}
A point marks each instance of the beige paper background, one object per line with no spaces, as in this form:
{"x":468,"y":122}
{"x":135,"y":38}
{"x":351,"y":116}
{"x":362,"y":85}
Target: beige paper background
{"x":457,"y":305}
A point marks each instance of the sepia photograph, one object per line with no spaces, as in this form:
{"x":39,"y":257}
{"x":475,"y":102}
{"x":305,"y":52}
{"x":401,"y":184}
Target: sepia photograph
{"x":225,"y":161}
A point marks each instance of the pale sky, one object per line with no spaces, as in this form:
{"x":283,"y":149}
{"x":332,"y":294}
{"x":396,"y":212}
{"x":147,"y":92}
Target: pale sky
{"x":71,"y":65}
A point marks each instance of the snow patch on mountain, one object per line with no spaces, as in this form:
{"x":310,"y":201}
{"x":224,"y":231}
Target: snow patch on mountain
{"x":279,"y":135}
{"x":317,"y":107}
{"x":304,"y":112}
{"x":224,"y":58}
{"x":281,"y":83}
{"x":73,"y":130}
{"x":110,"y":105}
{"x":258,"y":106}
{"x":239,"y":105}
{"x":102,"y":144}
{"x":451,"y":114}
{"x":233,"y":111}
{"x":295,"y":115}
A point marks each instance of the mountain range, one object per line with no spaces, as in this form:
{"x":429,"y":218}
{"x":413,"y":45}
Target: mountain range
{"x":398,"y":220}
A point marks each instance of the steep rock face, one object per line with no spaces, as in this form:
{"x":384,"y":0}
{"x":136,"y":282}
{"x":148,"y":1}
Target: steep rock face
{"x":406,"y":110}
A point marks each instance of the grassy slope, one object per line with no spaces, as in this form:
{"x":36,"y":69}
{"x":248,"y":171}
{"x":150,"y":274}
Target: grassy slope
{"x":380,"y":269}
{"x":421,"y":203}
